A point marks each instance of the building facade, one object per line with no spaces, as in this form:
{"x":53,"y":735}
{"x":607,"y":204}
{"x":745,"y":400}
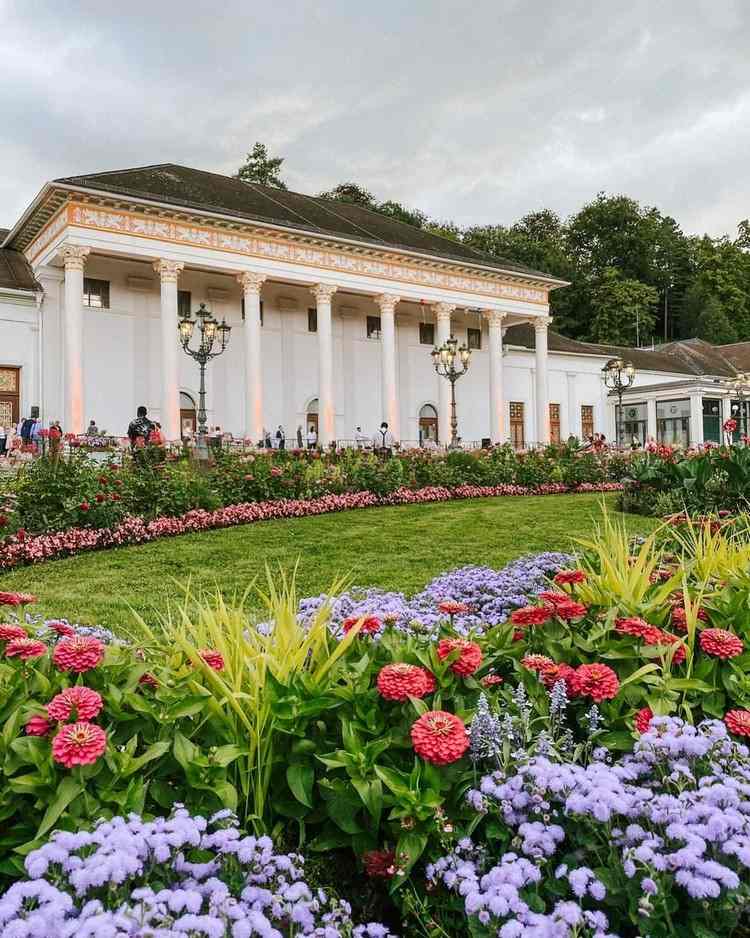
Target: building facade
{"x":334,"y":311}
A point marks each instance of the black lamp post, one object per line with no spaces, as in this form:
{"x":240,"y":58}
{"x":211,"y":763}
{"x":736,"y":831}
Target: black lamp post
{"x":618,"y":376}
{"x":452,"y":362}
{"x":739,"y":386}
{"x":211,"y":333}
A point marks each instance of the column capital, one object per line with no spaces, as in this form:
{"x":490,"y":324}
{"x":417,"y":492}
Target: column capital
{"x":323,"y":292}
{"x":495,"y":317}
{"x":169,"y":271}
{"x":251,"y":281}
{"x":443,"y":311}
{"x":387,"y":302}
{"x":541,"y":323}
{"x":74,"y":256}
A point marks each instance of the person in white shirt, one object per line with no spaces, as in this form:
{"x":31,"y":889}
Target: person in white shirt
{"x":360,"y":438}
{"x":3,"y":440}
{"x":312,"y":438}
{"x":383,"y":440}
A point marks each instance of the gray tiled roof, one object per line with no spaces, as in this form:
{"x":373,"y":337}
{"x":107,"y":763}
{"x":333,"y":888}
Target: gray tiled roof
{"x":15,"y":273}
{"x":200,"y":190}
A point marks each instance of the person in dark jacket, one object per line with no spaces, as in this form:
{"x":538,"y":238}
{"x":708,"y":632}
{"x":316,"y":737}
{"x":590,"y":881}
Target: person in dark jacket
{"x":140,"y":429}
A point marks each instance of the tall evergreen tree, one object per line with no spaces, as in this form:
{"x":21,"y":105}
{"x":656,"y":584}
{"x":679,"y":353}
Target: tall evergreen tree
{"x":713,"y":324}
{"x":261,"y":168}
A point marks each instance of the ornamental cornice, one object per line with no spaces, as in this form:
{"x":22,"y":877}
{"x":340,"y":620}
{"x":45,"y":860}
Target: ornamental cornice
{"x":251,"y":281}
{"x":169,"y":271}
{"x":253,"y":241}
{"x":323,"y":292}
{"x":443,"y":311}
{"x":387,"y":302}
{"x":74,"y":256}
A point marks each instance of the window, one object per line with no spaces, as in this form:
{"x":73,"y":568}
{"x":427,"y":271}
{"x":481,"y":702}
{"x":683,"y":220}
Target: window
{"x":184,"y":303}
{"x":261,"y":310}
{"x":10,"y":400}
{"x":587,"y":421}
{"x":711,"y":420}
{"x":373,"y":327}
{"x":428,"y":424}
{"x":426,"y":333}
{"x":673,"y":422}
{"x":554,"y":423}
{"x":474,"y":338}
{"x":632,"y":423}
{"x":96,"y":293}
{"x":516,"y":425}
{"x":312,"y":319}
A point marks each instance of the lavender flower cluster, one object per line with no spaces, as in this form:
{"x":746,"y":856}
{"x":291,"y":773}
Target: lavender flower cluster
{"x":675,"y":814}
{"x":172,"y":878}
{"x":490,"y":594}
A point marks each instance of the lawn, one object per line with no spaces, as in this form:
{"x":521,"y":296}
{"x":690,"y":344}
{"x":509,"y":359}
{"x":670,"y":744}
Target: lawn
{"x":395,"y":548}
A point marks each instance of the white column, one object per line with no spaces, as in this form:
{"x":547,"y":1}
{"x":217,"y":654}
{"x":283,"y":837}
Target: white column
{"x":169,"y":271}
{"x":541,"y":379}
{"x":326,"y":405}
{"x":74,"y":258}
{"x":443,"y":333}
{"x":650,"y":418}
{"x":571,"y":421}
{"x":696,"y":419}
{"x":389,"y":394}
{"x":251,"y":284}
{"x":497,"y":398}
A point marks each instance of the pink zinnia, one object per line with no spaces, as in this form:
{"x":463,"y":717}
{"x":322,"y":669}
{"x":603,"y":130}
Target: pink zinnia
{"x":563,"y":577}
{"x":400,"y":681}
{"x":16,"y":599}
{"x":531,"y":615}
{"x":25,"y":649}
{"x":453,"y":608}
{"x":633,"y":626}
{"x":470,"y":655}
{"x":370,"y":624}
{"x":738,"y":722}
{"x":570,"y":610}
{"x":8,"y":632}
{"x":62,"y":629}
{"x":212,"y":658}
{"x":79,"y":744}
{"x":80,"y":653}
{"x":597,"y":681}
{"x":439,"y":737}
{"x":38,"y":726}
{"x":491,"y":680}
{"x":81,"y":703}
{"x":643,"y":719}
{"x":721,"y":644}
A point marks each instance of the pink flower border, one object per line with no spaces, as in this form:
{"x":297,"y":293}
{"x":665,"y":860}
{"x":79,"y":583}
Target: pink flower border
{"x":35,"y":549}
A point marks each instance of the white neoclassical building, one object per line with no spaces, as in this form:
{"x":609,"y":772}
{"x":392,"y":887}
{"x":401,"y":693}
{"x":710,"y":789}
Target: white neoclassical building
{"x":334,"y":312}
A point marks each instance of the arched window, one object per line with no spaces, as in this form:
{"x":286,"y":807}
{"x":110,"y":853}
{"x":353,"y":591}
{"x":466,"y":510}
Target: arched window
{"x":428,"y":424}
{"x":188,"y":422}
{"x":311,"y":417}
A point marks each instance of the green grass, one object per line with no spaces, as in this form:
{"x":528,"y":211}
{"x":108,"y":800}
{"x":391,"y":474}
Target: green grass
{"x":395,"y":548}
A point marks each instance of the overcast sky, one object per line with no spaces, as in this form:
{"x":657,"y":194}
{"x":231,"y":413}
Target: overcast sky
{"x":478,"y":111}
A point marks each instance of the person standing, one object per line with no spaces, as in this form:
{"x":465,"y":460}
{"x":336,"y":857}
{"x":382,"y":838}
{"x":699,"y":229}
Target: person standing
{"x":3,"y":441}
{"x":280,"y":438}
{"x":360,"y":438}
{"x":312,"y":437}
{"x":140,"y":429}
{"x":299,"y":436}
{"x":92,"y":429}
{"x":384,"y":440}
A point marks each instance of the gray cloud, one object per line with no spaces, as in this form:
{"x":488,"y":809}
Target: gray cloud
{"x":475,"y":111}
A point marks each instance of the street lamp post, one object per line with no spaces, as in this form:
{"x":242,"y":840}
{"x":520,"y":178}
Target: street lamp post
{"x":738,"y":386}
{"x":618,"y":376}
{"x":211,"y":333}
{"x":452,"y":362}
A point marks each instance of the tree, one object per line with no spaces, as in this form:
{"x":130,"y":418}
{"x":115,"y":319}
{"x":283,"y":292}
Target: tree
{"x":714,"y":325}
{"x":261,"y":168}
{"x":352,"y":193}
{"x":622,"y":307}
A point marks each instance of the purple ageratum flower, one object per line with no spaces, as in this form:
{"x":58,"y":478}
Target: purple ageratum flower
{"x":241,"y":886}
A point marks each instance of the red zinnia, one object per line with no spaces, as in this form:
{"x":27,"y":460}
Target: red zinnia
{"x":62,"y":628}
{"x":570,"y":610}
{"x":453,"y":608}
{"x":553,"y":597}
{"x":78,"y":744}
{"x":491,"y":680}
{"x":25,"y":648}
{"x":643,"y":719}
{"x":400,"y":681}
{"x":738,"y":722}
{"x":531,"y":615}
{"x":679,"y":618}
{"x":721,"y":644}
{"x":597,"y":681}
{"x":79,"y":653}
{"x":470,"y":655}
{"x":370,"y":624}
{"x":656,"y":636}
{"x":82,"y":703}
{"x":537,"y":662}
{"x":569,"y":576}
{"x":16,"y":599}
{"x":9,"y":632}
{"x":439,"y":737}
{"x":212,"y":658}
{"x":561,"y":672}
{"x":148,"y":680}
{"x":38,"y":726}
{"x":633,"y":626}
{"x":380,"y":864}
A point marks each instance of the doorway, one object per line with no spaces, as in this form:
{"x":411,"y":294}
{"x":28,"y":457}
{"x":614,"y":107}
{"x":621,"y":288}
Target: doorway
{"x":188,"y":422}
{"x":10,"y":395}
{"x":428,"y":424}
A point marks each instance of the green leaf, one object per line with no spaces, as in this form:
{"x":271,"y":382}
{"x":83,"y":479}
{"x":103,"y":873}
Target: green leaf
{"x":155,"y":751}
{"x":396,"y":781}
{"x":224,"y":755}
{"x":646,"y":669}
{"x":68,"y":789}
{"x":371,"y":793}
{"x":300,"y":776}
{"x":409,"y":849}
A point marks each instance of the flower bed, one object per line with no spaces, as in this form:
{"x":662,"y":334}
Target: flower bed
{"x":23,"y":548}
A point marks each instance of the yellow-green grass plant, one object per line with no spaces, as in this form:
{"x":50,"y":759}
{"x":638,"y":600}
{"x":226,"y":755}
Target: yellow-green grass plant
{"x":259,"y":659}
